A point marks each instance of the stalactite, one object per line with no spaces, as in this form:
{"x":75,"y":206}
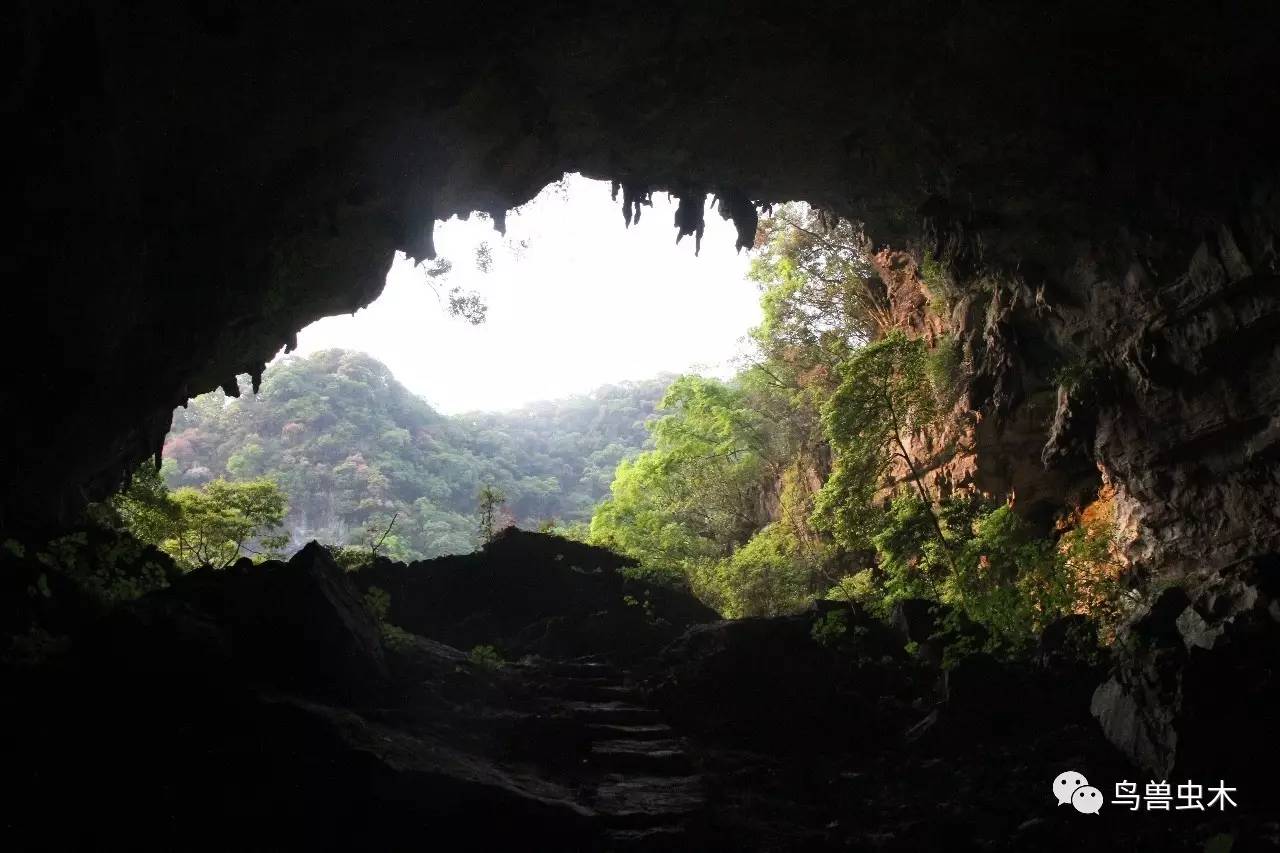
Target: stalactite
{"x":255,"y":376}
{"x":690,"y":219}
{"x":428,"y":245}
{"x":734,"y":205}
{"x":633,"y":196}
{"x":291,"y":344}
{"x":231,"y":387}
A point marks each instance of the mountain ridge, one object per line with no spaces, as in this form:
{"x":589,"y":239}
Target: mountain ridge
{"x":353,"y":448}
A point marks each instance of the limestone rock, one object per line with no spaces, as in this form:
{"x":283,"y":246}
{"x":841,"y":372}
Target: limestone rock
{"x":1193,"y":675}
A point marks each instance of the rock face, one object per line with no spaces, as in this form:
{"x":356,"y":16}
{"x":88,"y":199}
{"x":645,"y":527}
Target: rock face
{"x":188,"y":720}
{"x":298,"y":625}
{"x":532,"y":593}
{"x":1191,"y":689}
{"x":768,"y":683}
{"x":258,"y":705}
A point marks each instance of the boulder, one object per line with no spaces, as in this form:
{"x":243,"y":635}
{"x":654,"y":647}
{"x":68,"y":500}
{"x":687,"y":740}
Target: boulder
{"x":979,"y":684}
{"x":1070,"y":642}
{"x":932,"y":626}
{"x":916,"y":619}
{"x":1196,"y":677}
{"x":769,"y":684}
{"x":298,"y":625}
{"x":535,"y":593}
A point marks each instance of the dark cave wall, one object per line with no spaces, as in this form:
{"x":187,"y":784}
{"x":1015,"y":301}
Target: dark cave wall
{"x":202,"y":179}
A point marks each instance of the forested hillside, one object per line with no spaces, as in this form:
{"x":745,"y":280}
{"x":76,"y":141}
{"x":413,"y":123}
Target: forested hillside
{"x":352,"y":449}
{"x":845,"y":462}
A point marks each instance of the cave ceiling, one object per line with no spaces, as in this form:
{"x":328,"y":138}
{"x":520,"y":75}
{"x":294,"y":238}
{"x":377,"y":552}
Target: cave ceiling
{"x":200,"y":180}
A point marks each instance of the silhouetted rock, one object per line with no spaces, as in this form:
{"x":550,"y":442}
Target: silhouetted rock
{"x":297,"y":625}
{"x":933,"y":626}
{"x":535,"y":593}
{"x":769,"y":683}
{"x":979,"y":683}
{"x":917,"y":621}
{"x":1068,"y":642}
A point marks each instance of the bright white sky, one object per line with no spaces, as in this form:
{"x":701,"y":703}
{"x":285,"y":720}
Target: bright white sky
{"x":588,"y":302}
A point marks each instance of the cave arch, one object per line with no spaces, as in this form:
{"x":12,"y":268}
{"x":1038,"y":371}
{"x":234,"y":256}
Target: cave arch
{"x":201,"y":180}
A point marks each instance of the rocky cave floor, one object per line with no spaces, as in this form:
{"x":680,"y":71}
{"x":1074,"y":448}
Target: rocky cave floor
{"x":262,"y":708}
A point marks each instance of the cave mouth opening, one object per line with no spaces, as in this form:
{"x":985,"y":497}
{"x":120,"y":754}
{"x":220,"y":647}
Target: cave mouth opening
{"x":563,"y":299}
{"x":517,"y":320}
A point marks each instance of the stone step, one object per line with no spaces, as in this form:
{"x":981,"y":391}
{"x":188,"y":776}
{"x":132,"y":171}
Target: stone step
{"x":613,"y":731}
{"x":621,"y":713}
{"x":664,"y":837}
{"x":596,"y":680}
{"x":609,"y":692}
{"x":654,"y":757}
{"x":647,"y":800}
{"x":584,"y":669}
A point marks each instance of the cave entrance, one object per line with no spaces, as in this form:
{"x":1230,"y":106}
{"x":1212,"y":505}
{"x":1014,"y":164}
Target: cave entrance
{"x":526,"y":359}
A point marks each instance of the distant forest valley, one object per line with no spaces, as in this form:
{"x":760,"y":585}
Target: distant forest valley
{"x":355,"y":453}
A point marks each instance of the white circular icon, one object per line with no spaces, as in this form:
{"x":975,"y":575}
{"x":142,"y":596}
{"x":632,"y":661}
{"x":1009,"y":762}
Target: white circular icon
{"x":1066,"y":784}
{"x":1087,"y":800}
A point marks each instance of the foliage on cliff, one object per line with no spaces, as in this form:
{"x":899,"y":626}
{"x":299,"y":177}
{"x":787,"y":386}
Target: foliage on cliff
{"x":787,"y":482}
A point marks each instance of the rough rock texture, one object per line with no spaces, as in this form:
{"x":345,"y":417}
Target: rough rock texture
{"x":533,"y":593}
{"x":862,"y":750}
{"x":1193,"y":690}
{"x":259,"y":707}
{"x":298,"y":625}
{"x":181,"y":722}
{"x":764,"y":682}
{"x":199,"y":181}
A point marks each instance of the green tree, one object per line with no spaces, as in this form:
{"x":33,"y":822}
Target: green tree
{"x":767,"y":576}
{"x":884,"y":393}
{"x":696,"y":493}
{"x":145,"y":507}
{"x":821,"y":299}
{"x":223,"y":521}
{"x":489,"y":504}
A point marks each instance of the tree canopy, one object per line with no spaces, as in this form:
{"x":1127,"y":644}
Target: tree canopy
{"x":213,"y":525}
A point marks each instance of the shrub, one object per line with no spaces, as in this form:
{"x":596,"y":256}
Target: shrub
{"x":108,"y":566}
{"x":767,"y":576}
{"x":994,"y":572}
{"x":1007,"y":580}
{"x":349,"y":558}
{"x":941,"y":294}
{"x":1095,"y":567}
{"x":857,"y":588}
{"x":830,"y":629}
{"x":486,"y":657}
{"x":378,"y":603}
